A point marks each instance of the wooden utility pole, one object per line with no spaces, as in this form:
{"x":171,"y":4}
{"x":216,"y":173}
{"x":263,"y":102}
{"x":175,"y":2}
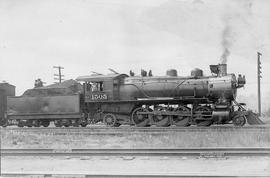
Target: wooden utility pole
{"x":259,"y":81}
{"x":59,"y":75}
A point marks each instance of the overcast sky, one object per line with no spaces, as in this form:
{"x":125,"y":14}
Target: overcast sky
{"x":94,"y":35}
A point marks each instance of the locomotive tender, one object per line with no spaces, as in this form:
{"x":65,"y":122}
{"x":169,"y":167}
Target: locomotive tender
{"x":5,"y":90}
{"x":117,"y":99}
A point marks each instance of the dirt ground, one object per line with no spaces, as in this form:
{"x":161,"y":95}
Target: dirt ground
{"x":244,"y":166}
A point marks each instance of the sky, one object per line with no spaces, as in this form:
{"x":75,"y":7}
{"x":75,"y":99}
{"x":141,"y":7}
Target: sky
{"x":94,"y":35}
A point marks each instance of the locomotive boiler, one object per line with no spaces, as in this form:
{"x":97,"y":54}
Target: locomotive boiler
{"x":145,"y":100}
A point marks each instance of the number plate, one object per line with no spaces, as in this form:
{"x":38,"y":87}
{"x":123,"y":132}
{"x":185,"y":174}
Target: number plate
{"x":100,"y":96}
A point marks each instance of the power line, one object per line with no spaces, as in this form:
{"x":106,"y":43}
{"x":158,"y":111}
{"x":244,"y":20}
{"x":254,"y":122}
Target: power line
{"x":59,"y":75}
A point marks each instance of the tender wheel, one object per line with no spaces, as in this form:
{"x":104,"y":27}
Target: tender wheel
{"x":239,"y":120}
{"x":29,"y":123}
{"x":45,"y":123}
{"x":140,"y":120}
{"x":181,"y":121}
{"x":36,"y":123}
{"x":66,"y":122}
{"x":20,"y":124}
{"x":204,"y":116}
{"x":75,"y":123}
{"x":110,"y":120}
{"x":57,"y":123}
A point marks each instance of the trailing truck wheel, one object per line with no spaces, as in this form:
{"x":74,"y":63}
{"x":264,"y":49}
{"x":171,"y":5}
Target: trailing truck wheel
{"x":140,"y":120}
{"x":110,"y":120}
{"x":239,"y":120}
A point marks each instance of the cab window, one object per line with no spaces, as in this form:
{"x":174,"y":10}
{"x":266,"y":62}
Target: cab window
{"x":97,"y":86}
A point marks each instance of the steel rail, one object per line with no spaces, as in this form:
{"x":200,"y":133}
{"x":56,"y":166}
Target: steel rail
{"x":203,"y":152}
{"x":41,"y":175}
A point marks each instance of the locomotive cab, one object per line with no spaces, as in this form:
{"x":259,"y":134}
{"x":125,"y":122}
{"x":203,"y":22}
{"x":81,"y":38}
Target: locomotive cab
{"x":94,"y":91}
{"x":101,"y":88}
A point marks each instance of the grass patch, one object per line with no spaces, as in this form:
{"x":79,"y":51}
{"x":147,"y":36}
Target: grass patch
{"x":14,"y":139}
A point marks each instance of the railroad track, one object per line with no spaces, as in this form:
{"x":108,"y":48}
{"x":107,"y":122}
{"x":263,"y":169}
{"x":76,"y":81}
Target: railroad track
{"x":202,"y":152}
{"x":41,"y":175}
{"x":124,"y":129}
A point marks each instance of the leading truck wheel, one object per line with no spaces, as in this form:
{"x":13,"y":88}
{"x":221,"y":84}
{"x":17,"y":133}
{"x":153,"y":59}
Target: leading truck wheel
{"x":239,"y":120}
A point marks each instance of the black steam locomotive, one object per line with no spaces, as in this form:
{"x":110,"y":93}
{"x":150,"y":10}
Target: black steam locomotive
{"x":144,"y":100}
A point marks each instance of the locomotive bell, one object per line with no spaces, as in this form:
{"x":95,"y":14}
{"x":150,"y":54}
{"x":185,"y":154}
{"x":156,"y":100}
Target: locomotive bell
{"x":171,"y":73}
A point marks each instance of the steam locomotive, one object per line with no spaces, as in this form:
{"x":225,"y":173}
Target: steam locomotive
{"x":145,"y":100}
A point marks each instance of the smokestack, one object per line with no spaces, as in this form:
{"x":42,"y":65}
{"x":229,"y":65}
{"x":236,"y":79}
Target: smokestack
{"x":222,"y":68}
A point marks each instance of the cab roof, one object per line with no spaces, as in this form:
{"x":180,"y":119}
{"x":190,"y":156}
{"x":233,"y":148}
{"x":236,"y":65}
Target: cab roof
{"x":100,"y":78}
